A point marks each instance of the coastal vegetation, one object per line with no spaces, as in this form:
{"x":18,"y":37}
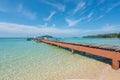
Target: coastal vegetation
{"x":110,"y":35}
{"x":47,"y":36}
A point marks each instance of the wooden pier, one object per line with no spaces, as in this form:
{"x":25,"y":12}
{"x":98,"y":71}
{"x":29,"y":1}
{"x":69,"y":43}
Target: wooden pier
{"x":111,"y":52}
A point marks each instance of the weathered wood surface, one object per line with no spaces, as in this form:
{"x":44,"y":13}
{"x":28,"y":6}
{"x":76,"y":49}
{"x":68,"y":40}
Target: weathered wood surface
{"x":98,"y":46}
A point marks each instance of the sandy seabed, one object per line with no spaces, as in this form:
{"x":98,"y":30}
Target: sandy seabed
{"x":65,"y":69}
{"x":60,"y":65}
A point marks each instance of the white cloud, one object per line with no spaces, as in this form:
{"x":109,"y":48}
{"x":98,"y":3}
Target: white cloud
{"x":56,"y":5}
{"x":43,"y":25}
{"x":110,"y":28}
{"x":72,"y":22}
{"x":19,"y":30}
{"x":50,"y":16}
{"x":53,"y":25}
{"x":26,"y":12}
{"x":99,"y":17}
{"x":90,"y":14}
{"x":89,"y":17}
{"x":105,"y":11}
{"x":79,"y":6}
{"x":46,"y":25}
{"x":114,"y":5}
{"x":105,"y":29}
{"x":26,"y":30}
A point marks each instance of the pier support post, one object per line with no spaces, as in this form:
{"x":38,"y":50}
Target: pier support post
{"x":115,"y":64}
{"x":58,"y":46}
{"x":84,"y":53}
{"x":72,"y":51}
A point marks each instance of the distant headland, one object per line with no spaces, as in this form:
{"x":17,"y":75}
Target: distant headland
{"x":110,"y":35}
{"x":47,"y":36}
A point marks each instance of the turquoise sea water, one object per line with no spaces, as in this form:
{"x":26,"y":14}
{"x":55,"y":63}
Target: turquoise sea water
{"x":28,"y":60}
{"x":108,"y":41}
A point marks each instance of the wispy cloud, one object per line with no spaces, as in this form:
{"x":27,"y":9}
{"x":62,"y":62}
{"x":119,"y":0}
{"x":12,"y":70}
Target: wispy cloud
{"x":27,"y":30}
{"x":90,"y":14}
{"x":114,"y":5}
{"x":101,"y":16}
{"x":89,"y":17}
{"x":26,"y":12}
{"x":72,"y":22}
{"x":79,"y":6}
{"x":50,"y":16}
{"x":59,"y":6}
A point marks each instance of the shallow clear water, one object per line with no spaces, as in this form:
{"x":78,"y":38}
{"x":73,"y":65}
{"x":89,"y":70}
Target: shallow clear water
{"x":28,"y":60}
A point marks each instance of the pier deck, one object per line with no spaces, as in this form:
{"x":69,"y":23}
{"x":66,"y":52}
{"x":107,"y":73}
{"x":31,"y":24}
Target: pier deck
{"x":111,"y":52}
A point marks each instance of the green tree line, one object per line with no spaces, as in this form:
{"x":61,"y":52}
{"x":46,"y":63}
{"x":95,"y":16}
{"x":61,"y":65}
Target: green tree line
{"x":111,"y":35}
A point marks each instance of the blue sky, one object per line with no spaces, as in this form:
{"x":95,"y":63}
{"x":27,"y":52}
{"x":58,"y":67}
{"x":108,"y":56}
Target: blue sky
{"x":64,"y":18}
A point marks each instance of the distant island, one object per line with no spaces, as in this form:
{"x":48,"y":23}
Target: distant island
{"x":110,"y":35}
{"x":47,"y":36}
{"x":41,"y":37}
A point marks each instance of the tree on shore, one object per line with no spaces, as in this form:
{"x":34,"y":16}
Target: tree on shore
{"x":111,"y":35}
{"x":118,"y":35}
